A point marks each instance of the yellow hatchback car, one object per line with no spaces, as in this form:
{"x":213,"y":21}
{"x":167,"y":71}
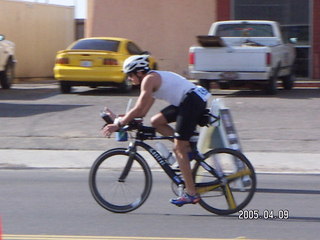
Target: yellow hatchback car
{"x":96,"y":61}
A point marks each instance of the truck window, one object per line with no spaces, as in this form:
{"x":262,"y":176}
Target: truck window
{"x":244,"y":30}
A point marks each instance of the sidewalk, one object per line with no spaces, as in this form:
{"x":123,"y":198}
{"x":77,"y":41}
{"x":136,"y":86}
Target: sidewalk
{"x":275,"y":162}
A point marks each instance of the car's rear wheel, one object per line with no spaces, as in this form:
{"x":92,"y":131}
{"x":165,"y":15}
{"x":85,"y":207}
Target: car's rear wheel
{"x":125,"y":86}
{"x":7,"y":76}
{"x":65,"y":87}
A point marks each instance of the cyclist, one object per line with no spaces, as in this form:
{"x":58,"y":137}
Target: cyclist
{"x":187,"y":104}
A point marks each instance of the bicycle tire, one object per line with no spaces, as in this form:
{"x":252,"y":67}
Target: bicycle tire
{"x":237,"y":186}
{"x":113,"y":194}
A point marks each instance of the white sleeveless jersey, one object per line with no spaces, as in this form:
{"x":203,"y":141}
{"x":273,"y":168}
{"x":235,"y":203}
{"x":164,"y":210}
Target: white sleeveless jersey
{"x":173,"y":87}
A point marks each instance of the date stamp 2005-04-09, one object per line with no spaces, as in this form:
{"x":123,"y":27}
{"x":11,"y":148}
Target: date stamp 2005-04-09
{"x":266,"y":214}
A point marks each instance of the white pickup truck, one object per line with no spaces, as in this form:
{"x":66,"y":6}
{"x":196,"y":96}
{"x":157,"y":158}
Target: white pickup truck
{"x":238,"y":53}
{"x":7,"y":62}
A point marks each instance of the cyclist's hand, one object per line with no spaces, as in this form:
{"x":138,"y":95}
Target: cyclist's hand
{"x":109,"y":129}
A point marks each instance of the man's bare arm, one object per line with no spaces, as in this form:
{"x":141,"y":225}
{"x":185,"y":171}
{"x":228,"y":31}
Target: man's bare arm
{"x":145,"y":100}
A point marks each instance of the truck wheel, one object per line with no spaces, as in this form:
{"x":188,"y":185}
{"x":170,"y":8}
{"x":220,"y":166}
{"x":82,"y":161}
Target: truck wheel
{"x":65,"y":87}
{"x":204,"y":83}
{"x":288,"y":81}
{"x":224,"y":85}
{"x":7,"y":76}
{"x":272,"y":86}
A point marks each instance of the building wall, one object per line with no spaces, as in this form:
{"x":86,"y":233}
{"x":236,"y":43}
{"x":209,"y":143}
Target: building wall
{"x":223,"y":10}
{"x":166,"y":28}
{"x":79,"y":28}
{"x":316,"y":39}
{"x":39,"y":31}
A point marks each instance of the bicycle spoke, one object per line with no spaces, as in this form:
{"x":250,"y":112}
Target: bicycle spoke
{"x":202,"y":190}
{"x":228,"y":184}
{"x":229,"y":196}
{"x":237,"y":175}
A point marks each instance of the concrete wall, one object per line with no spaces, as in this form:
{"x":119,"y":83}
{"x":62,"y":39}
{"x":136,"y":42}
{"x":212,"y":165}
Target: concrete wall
{"x":166,"y":28}
{"x":39,"y":31}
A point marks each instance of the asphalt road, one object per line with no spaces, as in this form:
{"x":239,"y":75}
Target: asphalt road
{"x":58,"y":202}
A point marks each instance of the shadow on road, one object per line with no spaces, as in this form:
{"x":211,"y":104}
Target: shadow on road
{"x":105,"y":92}
{"x":27,"y":93}
{"x":23,"y":110}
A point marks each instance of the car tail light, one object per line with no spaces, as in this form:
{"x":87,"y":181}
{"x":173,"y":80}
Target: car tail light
{"x":62,"y":60}
{"x":110,"y":62}
{"x":191,"y":58}
{"x":268,"y":59}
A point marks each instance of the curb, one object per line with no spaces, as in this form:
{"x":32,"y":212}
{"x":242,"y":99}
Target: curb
{"x":307,"y":84}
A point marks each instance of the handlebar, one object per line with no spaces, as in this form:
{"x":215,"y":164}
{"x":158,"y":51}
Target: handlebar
{"x":143,"y":132}
{"x":135,"y":124}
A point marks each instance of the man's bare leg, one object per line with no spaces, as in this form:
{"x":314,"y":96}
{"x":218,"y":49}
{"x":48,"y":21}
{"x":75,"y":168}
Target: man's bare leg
{"x":181,"y":150}
{"x":159,"y":122}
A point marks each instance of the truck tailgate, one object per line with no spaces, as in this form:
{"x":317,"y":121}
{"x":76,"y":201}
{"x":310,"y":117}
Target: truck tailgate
{"x":244,"y":59}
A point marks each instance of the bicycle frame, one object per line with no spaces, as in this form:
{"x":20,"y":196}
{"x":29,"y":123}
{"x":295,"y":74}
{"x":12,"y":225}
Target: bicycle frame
{"x":221,"y":181}
{"x":156,"y":155}
{"x":167,"y":168}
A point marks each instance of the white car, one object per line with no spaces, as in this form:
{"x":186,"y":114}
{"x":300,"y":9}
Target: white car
{"x":7,"y":62}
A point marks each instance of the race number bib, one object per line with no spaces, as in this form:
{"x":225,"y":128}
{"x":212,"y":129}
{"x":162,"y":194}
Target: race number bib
{"x":203,"y":93}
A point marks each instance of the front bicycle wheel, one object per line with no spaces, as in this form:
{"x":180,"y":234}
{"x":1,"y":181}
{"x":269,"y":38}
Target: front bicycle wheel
{"x":230,"y":184}
{"x":120,"y":181}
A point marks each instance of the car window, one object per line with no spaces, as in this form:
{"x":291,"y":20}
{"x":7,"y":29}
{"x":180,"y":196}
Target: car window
{"x":133,"y":49}
{"x":245,"y":30}
{"x":97,"y":44}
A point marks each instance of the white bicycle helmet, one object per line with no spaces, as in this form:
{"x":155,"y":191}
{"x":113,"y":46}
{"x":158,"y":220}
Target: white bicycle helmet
{"x":136,"y":63}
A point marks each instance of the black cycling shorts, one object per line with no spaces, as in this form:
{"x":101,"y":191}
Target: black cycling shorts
{"x":186,"y":116}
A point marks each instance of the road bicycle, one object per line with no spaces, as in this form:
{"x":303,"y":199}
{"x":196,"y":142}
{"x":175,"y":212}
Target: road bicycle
{"x":120,"y":179}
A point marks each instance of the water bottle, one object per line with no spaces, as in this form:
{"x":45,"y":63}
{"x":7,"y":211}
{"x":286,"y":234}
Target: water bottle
{"x":106,"y":117}
{"x":193,"y":142}
{"x":193,"y":145}
{"x":121,"y":136}
{"x":163,"y":150}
